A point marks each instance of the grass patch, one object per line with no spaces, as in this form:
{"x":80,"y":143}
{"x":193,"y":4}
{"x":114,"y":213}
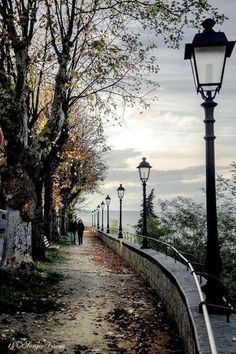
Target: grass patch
{"x":64,"y":241}
{"x":28,"y":291}
{"x":52,"y":256}
{"x":44,"y":268}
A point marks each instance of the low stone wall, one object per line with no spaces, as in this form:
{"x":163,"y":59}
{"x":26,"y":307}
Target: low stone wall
{"x":172,"y":282}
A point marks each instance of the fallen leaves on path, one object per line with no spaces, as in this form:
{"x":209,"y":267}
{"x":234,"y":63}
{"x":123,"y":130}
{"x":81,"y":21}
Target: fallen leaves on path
{"x":142,"y":324}
{"x":143,"y":331}
{"x":104,"y":308}
{"x":104,"y":255}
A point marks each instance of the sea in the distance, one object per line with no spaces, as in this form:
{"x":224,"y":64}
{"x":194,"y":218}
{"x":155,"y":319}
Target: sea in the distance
{"x":129,"y":217}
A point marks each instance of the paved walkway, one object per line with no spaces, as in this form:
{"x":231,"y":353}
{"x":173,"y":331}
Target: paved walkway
{"x":106,"y":309}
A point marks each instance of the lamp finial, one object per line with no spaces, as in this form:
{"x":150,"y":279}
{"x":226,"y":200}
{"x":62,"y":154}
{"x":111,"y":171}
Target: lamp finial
{"x":208,"y":25}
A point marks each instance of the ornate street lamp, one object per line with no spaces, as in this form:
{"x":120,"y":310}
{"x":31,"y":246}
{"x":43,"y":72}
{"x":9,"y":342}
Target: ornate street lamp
{"x":98,"y":209}
{"x":102,"y":207}
{"x":108,"y":201}
{"x":144,"y":171}
{"x":208,"y":53}
{"x":120,"y":192}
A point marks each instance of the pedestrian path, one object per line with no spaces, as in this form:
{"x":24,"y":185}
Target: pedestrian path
{"x":106,"y":308}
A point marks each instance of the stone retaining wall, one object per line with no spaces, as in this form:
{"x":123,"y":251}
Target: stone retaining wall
{"x":157,"y":270}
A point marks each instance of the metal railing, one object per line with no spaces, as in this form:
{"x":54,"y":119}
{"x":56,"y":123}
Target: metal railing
{"x":203,"y":305}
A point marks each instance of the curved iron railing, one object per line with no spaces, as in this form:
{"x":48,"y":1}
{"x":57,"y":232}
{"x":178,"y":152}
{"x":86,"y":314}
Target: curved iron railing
{"x":203,"y":304}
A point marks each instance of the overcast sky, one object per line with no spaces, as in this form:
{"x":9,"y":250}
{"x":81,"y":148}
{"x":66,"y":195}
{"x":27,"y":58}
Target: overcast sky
{"x":170,"y":133}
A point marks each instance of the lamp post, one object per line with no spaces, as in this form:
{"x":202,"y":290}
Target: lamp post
{"x":102,"y":207}
{"x":144,"y":171}
{"x":108,"y":201}
{"x":208,"y":53}
{"x":98,"y":209}
{"x":120,"y":192}
{"x":92,"y":219}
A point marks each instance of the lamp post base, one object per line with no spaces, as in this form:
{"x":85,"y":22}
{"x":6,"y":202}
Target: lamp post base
{"x":120,"y":234}
{"x":225,"y":309}
{"x":215,"y":296}
{"x":144,"y":243}
{"x":219,"y":310}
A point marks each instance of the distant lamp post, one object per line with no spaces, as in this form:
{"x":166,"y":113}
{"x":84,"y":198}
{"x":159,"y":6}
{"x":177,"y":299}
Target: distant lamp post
{"x":98,"y":210}
{"x":108,"y":201}
{"x":120,"y":192}
{"x":144,"y":171}
{"x":208,"y":53}
{"x":102,"y":207}
{"x":92,"y":218}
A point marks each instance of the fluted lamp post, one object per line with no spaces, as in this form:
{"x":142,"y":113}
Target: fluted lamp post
{"x":102,"y":207}
{"x":208,"y":53}
{"x":120,"y":192}
{"x":98,"y":210}
{"x":144,"y":171}
{"x":108,"y":201}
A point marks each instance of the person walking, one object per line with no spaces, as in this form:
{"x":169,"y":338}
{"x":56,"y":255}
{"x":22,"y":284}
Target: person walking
{"x":80,"y":231}
{"x":72,"y":228}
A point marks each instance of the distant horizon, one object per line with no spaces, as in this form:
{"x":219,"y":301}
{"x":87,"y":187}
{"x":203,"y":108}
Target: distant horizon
{"x":129,"y":217}
{"x":116,"y":210}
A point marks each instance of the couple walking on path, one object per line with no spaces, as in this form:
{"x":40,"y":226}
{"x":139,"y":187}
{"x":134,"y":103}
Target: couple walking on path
{"x":76,"y":228}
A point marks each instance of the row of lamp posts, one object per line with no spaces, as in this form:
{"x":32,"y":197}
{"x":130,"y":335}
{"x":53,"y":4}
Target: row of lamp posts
{"x":207,"y":53}
{"x":144,"y":172}
{"x":96,"y":215}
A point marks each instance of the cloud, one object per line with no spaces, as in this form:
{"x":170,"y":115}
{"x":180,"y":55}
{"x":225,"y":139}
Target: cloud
{"x":168,"y":183}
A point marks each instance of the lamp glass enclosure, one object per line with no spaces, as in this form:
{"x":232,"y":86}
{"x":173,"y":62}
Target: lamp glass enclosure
{"x":209,"y":65}
{"x":144,"y":170}
{"x":102,"y":205}
{"x":144,"y":173}
{"x":120,"y":192}
{"x":108,"y":200}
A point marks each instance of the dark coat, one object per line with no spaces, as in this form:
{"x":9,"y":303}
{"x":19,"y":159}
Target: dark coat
{"x":72,"y":227}
{"x":80,"y":228}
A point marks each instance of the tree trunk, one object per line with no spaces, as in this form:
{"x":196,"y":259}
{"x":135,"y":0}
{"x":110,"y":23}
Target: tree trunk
{"x":19,"y":193}
{"x":64,"y":220}
{"x":48,"y":203}
{"x":17,"y":242}
{"x":38,"y":247}
{"x":55,"y":229}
